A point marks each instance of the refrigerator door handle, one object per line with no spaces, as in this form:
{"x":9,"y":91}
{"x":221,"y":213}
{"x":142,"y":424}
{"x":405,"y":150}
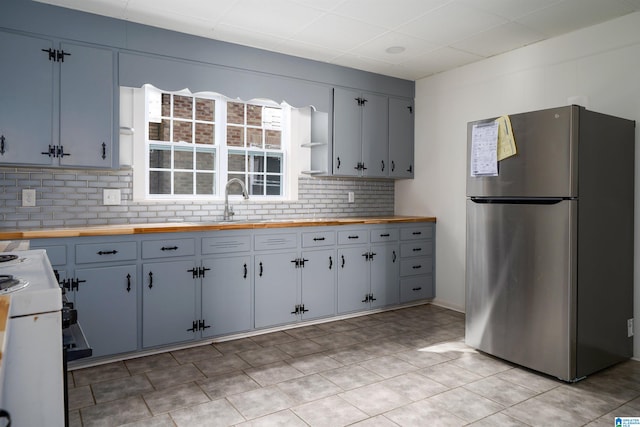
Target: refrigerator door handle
{"x":514,"y":201}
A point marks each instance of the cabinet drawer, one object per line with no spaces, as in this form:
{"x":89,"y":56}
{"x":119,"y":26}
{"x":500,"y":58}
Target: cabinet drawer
{"x":384,"y":235}
{"x":318,"y":238}
{"x":417,"y":248}
{"x":225,"y":244}
{"x":416,"y":232}
{"x":168,"y":248}
{"x":415,"y":266}
{"x":415,"y":288}
{"x":276,"y":241}
{"x":57,"y":254}
{"x":102,"y":252}
{"x":348,"y":237}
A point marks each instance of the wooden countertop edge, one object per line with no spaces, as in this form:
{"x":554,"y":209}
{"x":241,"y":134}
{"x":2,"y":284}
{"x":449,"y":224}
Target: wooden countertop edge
{"x":115,"y":230}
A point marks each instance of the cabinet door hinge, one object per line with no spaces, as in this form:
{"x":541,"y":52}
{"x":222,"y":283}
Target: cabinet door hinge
{"x":56,"y":55}
{"x":202,"y":325}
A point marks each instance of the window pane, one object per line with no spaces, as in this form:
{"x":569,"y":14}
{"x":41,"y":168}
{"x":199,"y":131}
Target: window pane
{"x":256,"y":162}
{"x":204,"y":133}
{"x":235,"y":188}
{"x":159,"y":182}
{"x":273,"y":139}
{"x":236,"y":162}
{"x":254,"y":115}
{"x":205,"y":109}
{"x":256,"y":185}
{"x":235,"y":113}
{"x":183,"y":183}
{"x":274,"y":163}
{"x":182,"y":107}
{"x":183,"y":158}
{"x":205,"y":183}
{"x":254,"y":137}
{"x":205,"y":160}
{"x":159,"y":157}
{"x":235,"y":136}
{"x":166,"y":105}
{"x":182,"y":131}
{"x":274,"y":184}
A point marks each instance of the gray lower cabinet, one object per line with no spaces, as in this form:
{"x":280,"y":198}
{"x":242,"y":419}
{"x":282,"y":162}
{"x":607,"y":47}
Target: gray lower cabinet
{"x":276,"y":288}
{"x":317,"y":284}
{"x":226,"y":295}
{"x":168,"y":303}
{"x":106,"y":301}
{"x":417,"y":262}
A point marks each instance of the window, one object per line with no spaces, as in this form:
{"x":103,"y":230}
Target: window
{"x":196,"y":143}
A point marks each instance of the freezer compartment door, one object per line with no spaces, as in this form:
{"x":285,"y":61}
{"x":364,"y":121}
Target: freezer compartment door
{"x":546,"y":159}
{"x":521,"y":283}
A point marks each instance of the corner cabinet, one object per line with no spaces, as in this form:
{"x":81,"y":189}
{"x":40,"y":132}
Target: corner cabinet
{"x":61,"y":108}
{"x":401,"y":138}
{"x":360,"y":134}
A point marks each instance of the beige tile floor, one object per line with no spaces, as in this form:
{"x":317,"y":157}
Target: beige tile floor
{"x":407,"y":367}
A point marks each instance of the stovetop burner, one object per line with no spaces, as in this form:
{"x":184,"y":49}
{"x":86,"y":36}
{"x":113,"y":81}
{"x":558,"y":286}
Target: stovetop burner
{"x":8,"y":257}
{"x":9,"y":283}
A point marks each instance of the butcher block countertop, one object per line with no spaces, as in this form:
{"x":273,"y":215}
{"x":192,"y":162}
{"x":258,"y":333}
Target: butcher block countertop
{"x":176,"y":227}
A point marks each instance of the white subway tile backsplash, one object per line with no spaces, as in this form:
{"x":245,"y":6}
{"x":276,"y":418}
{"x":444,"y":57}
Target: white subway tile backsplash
{"x":74,"y":198}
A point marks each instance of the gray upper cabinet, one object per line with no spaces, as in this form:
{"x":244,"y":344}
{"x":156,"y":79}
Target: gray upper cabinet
{"x":26,"y":123}
{"x":401,"y":134}
{"x":86,"y":106}
{"x":60,"y":103}
{"x":360,"y":134}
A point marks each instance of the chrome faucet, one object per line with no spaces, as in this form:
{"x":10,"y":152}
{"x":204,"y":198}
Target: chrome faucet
{"x":228,"y":211}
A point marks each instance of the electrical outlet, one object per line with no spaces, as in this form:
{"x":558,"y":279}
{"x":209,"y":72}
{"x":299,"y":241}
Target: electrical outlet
{"x":352,"y":197}
{"x":111,"y":196}
{"x":629,"y":327}
{"x":28,"y":197}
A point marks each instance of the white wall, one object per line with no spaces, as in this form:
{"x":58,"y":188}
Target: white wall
{"x":601,"y":63}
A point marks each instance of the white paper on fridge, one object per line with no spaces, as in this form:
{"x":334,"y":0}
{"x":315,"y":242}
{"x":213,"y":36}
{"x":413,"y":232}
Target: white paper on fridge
{"x":484,"y":149}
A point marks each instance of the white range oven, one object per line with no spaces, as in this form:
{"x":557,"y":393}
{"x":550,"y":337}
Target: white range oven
{"x":32,"y":390}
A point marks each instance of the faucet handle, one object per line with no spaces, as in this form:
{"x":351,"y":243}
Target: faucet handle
{"x":231,"y":212}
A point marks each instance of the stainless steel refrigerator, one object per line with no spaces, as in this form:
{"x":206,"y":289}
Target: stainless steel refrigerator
{"x":549,"y":255}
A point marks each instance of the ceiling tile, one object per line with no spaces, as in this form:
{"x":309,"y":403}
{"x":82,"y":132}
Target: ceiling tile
{"x":338,"y":32}
{"x":375,"y":66}
{"x":499,"y":39}
{"x":388,"y":14}
{"x":317,"y":52}
{"x":509,"y":9}
{"x":440,"y":60}
{"x":246,"y":37}
{"x":450,"y":23}
{"x":376,"y":48}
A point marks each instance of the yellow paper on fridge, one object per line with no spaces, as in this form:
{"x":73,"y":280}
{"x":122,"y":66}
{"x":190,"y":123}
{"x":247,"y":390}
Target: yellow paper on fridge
{"x":506,"y":139}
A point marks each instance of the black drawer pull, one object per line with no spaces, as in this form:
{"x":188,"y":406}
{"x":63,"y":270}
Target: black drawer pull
{"x":330,"y":263}
{"x":417,"y":233}
{"x":418,"y":289}
{"x":108,"y":252}
{"x":354,"y":237}
{"x":150,"y":280}
{"x":315,"y":239}
{"x":342,"y":260}
{"x":261,"y":269}
{"x":416,"y":249}
{"x":169,"y":248}
{"x":245,"y":271}
{"x":384,"y":235}
{"x":415,"y":267}
{"x":128,"y":283}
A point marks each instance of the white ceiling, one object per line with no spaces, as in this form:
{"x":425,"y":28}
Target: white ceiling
{"x":437,"y":35}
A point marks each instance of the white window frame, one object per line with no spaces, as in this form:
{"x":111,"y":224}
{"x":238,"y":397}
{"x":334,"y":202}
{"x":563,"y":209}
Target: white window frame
{"x":141,"y":143}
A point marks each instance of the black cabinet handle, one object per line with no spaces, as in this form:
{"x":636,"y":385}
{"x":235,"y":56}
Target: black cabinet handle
{"x":245,"y":271}
{"x":330,"y":262}
{"x":394,"y":256}
{"x":353,"y":237}
{"x":382,"y":165}
{"x":202,"y":271}
{"x":104,"y":151}
{"x":393,"y":166}
{"x":366,"y":298}
{"x":384,"y":235}
{"x":416,"y":267}
{"x":342,"y":260}
{"x":60,"y":152}
{"x":194,"y":327}
{"x":194,"y":272}
{"x":417,"y":289}
{"x":338,"y":167}
{"x":318,"y":239}
{"x":416,"y":249}
{"x":202,"y":325}
{"x":261,"y":269}
{"x":371,"y":298}
{"x":150,"y":280}
{"x":51,"y":152}
{"x":410,"y":170}
{"x":169,"y":248}
{"x":417,"y":233}
{"x":113,"y":252}
{"x":297,"y":309}
{"x":1,"y":144}
{"x":302,"y":309}
{"x":128,"y":283}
